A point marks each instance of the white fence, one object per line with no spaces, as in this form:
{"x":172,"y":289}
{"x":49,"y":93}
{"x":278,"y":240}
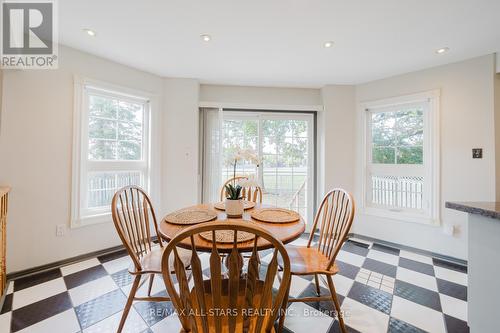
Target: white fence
{"x":397,"y":191}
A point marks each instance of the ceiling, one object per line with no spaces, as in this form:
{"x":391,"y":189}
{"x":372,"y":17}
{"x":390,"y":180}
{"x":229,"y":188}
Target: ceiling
{"x":278,"y":42}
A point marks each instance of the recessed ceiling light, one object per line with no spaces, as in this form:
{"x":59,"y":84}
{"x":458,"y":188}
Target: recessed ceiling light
{"x":90,"y":32}
{"x":328,"y":44}
{"x":206,"y":38}
{"x":442,"y":50}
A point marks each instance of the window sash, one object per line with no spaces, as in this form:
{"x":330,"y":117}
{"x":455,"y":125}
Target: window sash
{"x":87,"y":167}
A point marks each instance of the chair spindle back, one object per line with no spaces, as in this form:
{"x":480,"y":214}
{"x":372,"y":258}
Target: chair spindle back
{"x":253,"y":193}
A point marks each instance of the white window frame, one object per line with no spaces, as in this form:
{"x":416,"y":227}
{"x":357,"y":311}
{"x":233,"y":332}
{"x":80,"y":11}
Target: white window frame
{"x":80,"y":216}
{"x":430,"y":169}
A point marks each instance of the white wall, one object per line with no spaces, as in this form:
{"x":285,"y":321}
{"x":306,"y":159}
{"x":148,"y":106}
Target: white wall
{"x":497,"y":130}
{"x":35,"y":157}
{"x":261,"y":97}
{"x":180,"y":144}
{"x":336,"y":138}
{"x":467,"y":121}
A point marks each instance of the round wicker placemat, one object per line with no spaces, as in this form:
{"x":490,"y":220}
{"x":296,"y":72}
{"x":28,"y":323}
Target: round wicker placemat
{"x":191,"y":216}
{"x":221,"y":205}
{"x":227,"y":236}
{"x":275,"y":215}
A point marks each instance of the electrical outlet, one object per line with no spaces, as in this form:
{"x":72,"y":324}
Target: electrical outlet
{"x":60,"y":229}
{"x":477,"y":152}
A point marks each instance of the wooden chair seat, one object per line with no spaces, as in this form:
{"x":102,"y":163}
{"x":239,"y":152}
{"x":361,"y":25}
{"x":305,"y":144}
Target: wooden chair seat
{"x":252,"y":315}
{"x":151,"y":262}
{"x":308,"y":260}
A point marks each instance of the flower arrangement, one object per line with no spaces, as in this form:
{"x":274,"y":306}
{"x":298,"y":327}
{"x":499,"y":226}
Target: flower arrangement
{"x":233,"y":191}
{"x":234,"y":204}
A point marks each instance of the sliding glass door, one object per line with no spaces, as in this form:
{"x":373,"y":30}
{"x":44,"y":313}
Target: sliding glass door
{"x":284,"y":143}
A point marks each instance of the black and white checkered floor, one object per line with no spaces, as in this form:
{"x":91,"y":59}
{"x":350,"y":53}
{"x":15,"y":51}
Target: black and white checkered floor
{"x":381,"y":289}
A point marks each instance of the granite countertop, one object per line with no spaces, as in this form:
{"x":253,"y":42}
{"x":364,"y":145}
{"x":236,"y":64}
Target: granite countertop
{"x":488,"y":209}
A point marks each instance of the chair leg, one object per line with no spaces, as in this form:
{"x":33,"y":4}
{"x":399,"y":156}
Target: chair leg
{"x":283,"y":308}
{"x":336,"y":303}
{"x":130,"y":299}
{"x":316,"y":280}
{"x":151,"y":278}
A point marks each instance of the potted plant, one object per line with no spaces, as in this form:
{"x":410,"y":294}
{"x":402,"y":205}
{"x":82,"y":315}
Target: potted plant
{"x":234,"y":201}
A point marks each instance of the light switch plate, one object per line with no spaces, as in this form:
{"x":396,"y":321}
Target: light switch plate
{"x":477,"y":152}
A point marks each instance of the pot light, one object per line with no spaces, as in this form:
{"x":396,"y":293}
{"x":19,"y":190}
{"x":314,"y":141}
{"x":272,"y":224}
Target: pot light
{"x":328,"y":44}
{"x":442,"y":50}
{"x":90,"y":32}
{"x":206,"y":38}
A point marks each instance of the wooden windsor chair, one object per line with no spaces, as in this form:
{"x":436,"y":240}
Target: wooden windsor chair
{"x":136,"y":224}
{"x":249,"y":301}
{"x":253,"y":193}
{"x":335,"y":217}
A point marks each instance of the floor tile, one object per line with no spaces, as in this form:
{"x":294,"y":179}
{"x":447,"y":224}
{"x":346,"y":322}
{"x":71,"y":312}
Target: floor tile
{"x":416,"y":266}
{"x":41,"y":310}
{"x":153,"y":312}
{"x":451,"y":275}
{"x":7,"y":304}
{"x":380,"y":267}
{"x":10,"y":287}
{"x":122,"y":278}
{"x":418,"y":295}
{"x":117,"y":265}
{"x":418,"y":315}
{"x":399,"y":326}
{"x":100,"y":308}
{"x":301,"y":318}
{"x":327,"y":307}
{"x":415,"y":257}
{"x":350,"y":258}
{"x":454,"y":307}
{"x":383,"y":257}
{"x":168,"y":324}
{"x":449,"y":265}
{"x":341,"y":283}
{"x":363,"y":318}
{"x":65,"y":322}
{"x":297,"y":286}
{"x":5,"y":320}
{"x":356,"y":248}
{"x":133,"y":324}
{"x":418,"y":279}
{"x":455,"y":325}
{"x":158,"y":286}
{"x":91,"y":290}
{"x":452,"y":289}
{"x":385,"y":248}
{"x":35,"y":279}
{"x":112,"y":256}
{"x":346,"y":269}
{"x":77,"y":279}
{"x":299,"y":242}
{"x":372,"y":297}
{"x":79,"y":266}
{"x":37,"y":293}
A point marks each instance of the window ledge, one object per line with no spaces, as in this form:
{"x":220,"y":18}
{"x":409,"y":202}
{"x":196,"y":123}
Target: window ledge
{"x":401,"y":216}
{"x":91,"y":220}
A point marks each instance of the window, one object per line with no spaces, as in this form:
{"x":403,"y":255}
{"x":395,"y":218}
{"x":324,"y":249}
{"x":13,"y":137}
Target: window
{"x":401,"y":158}
{"x":284,"y":142}
{"x":112,"y":150}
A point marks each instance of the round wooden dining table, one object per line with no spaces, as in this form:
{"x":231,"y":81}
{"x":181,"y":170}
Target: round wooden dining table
{"x":285,"y":232}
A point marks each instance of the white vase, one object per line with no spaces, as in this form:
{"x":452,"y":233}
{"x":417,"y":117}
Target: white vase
{"x":234,"y":207}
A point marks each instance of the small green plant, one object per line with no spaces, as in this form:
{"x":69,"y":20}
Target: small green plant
{"x":233,"y":192}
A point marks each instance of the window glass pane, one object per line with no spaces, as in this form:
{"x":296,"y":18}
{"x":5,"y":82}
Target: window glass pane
{"x":100,"y":128}
{"x":410,"y":155}
{"x":103,"y":185}
{"x":129,"y":150}
{"x":398,"y":133}
{"x":102,"y":149}
{"x":383,"y":155}
{"x":103,"y":107}
{"x":121,"y":123}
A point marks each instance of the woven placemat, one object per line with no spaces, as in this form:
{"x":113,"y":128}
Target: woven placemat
{"x":191,"y":216}
{"x":275,"y":215}
{"x":227,"y":236}
{"x":246,"y":205}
